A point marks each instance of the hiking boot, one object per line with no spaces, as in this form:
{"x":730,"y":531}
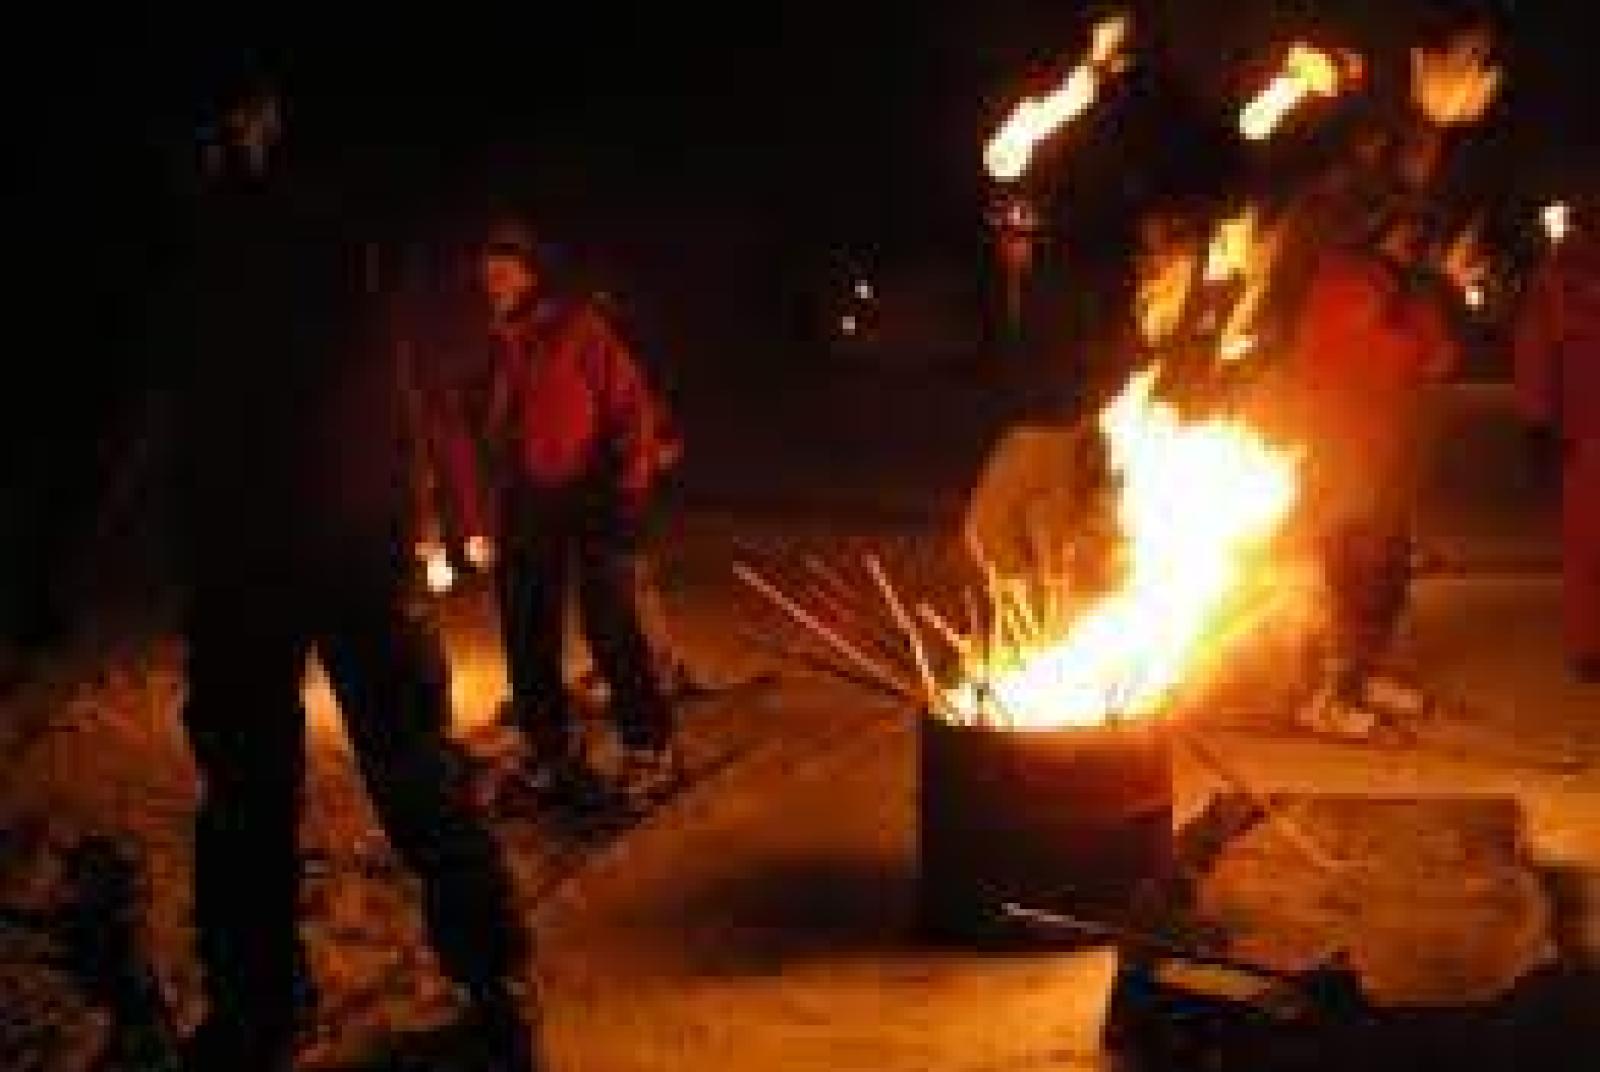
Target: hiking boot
{"x":567,"y":783}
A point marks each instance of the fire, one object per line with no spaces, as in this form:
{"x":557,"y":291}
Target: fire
{"x":1163,"y":293}
{"x":1467,"y":266}
{"x":1195,"y":498}
{"x":1036,"y":118}
{"x":1242,"y":249}
{"x":1306,"y":72}
{"x":1455,"y":85}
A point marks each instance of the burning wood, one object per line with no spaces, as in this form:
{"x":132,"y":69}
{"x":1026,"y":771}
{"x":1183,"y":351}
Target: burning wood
{"x":1195,"y":498}
{"x":1127,"y":651}
{"x":1307,"y":72}
{"x":1007,"y":155}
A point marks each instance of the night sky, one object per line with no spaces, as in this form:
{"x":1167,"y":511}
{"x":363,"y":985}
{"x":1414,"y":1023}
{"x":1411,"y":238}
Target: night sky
{"x":704,"y":160}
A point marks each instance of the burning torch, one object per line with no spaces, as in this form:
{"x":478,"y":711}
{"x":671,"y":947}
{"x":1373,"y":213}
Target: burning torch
{"x":1307,"y":73}
{"x":1012,"y":214}
{"x":1451,"y":87}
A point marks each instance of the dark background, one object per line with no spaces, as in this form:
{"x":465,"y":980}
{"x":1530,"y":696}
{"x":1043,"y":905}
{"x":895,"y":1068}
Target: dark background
{"x":709,"y":163}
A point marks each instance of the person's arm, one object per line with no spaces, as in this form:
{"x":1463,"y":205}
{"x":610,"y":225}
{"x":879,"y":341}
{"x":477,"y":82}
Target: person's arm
{"x":450,"y":496}
{"x":632,"y":416}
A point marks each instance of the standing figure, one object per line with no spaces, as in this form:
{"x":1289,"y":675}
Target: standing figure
{"x":292,"y":474}
{"x":1557,"y":355}
{"x":1372,"y":334}
{"x":553,"y":445}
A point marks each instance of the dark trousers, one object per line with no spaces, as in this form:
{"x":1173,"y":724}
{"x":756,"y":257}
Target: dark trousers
{"x":248,"y":637}
{"x":551,"y":542}
{"x":1368,"y":567}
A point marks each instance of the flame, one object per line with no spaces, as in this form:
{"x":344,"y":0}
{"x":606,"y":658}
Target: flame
{"x":1241,"y":249}
{"x":1229,"y":254}
{"x":1165,"y":278}
{"x":1557,"y":220}
{"x":1455,"y":85}
{"x":1007,"y":154}
{"x":1466,"y":265}
{"x":1306,"y":72}
{"x":1195,"y":498}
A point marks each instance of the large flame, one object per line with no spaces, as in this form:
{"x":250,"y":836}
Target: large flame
{"x":1036,"y":118}
{"x":1195,"y":499}
{"x":1306,"y":72}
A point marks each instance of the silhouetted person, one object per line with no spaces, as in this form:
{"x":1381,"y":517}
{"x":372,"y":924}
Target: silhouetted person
{"x":295,"y":507}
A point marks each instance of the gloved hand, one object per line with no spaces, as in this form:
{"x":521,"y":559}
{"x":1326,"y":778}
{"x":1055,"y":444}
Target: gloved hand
{"x":437,"y":572}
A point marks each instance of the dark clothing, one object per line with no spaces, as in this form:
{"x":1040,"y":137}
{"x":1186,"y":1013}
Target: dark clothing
{"x":291,"y":423}
{"x":552,"y":542}
{"x":249,"y":637}
{"x":295,"y":501}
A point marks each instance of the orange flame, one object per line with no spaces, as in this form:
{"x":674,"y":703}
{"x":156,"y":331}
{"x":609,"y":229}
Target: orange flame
{"x":1243,"y":249}
{"x":1467,"y":267}
{"x":1306,"y":72}
{"x":1007,"y":154}
{"x":1195,"y":498}
{"x":1455,"y":85}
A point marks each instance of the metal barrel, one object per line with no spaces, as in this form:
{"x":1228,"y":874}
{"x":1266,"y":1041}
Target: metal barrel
{"x":1077,"y":820}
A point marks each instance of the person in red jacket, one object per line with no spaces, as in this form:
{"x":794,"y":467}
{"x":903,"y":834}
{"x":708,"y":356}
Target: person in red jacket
{"x":551,"y":453}
{"x":1372,"y":333}
{"x":1557,"y":364}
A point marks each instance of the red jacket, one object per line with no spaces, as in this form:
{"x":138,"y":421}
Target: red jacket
{"x":1365,"y":340}
{"x":1365,"y":348}
{"x":1557,"y":345}
{"x":563,"y":404}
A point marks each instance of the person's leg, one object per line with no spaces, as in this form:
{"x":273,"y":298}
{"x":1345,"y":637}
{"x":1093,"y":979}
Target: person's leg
{"x":1580,"y":538}
{"x":1368,"y":571}
{"x":534,"y":574}
{"x":246,"y":657}
{"x":388,"y":671}
{"x":608,"y":596}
